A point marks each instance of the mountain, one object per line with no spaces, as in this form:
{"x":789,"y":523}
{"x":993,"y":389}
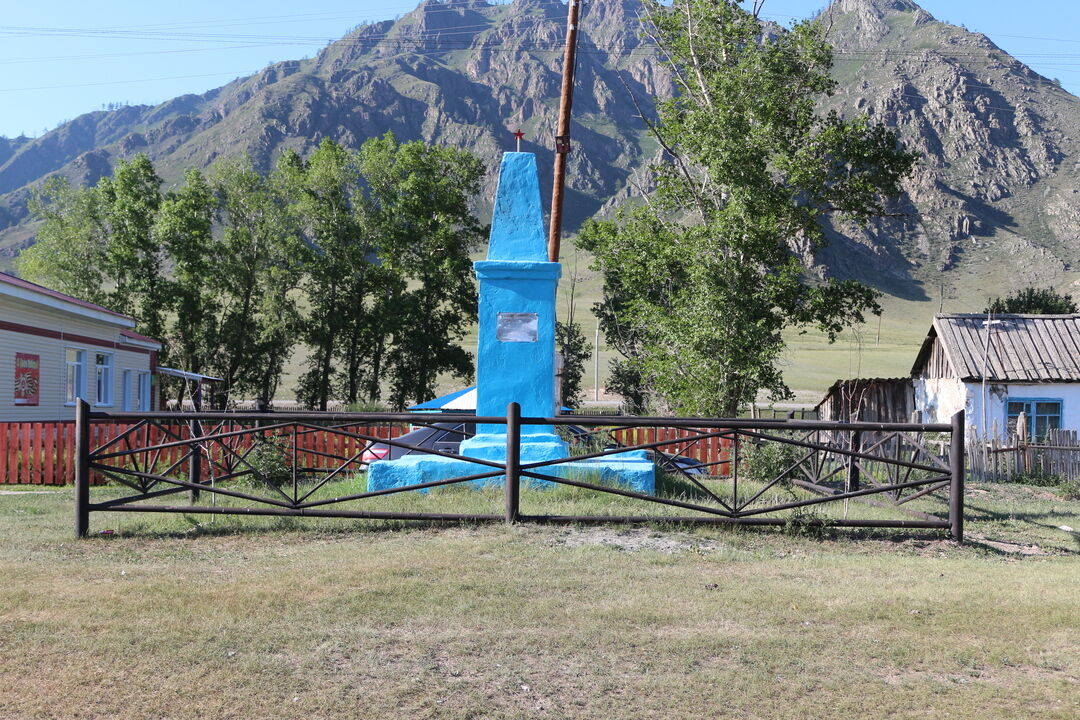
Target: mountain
{"x":458,"y":73}
{"x":992,"y":203}
{"x":994,"y":199}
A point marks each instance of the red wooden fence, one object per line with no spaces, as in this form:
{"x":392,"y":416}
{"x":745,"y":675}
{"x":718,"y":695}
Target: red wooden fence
{"x":43,"y":453}
{"x":714,"y":452}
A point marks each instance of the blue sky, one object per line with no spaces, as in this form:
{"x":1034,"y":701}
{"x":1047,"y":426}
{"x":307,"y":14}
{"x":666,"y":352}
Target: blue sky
{"x":61,"y":59}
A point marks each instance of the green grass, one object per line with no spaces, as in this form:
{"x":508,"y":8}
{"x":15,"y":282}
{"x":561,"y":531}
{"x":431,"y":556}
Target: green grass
{"x":196,"y":617}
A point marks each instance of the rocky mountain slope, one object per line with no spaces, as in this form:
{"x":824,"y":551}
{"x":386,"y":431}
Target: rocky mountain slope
{"x":996,"y":188}
{"x":461,"y":73}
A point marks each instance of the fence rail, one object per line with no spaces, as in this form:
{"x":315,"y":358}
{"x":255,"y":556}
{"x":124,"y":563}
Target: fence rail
{"x":258,"y":464}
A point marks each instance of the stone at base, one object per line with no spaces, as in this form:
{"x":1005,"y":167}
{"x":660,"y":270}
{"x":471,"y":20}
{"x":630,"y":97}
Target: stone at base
{"x":630,"y":470}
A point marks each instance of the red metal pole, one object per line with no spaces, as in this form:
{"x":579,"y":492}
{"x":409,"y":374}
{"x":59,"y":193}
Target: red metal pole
{"x":562,"y":136}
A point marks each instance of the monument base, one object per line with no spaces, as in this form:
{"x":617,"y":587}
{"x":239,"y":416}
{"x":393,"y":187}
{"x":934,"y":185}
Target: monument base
{"x":631,"y":470}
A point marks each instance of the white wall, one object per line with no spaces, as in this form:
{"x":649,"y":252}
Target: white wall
{"x":939,"y":399}
{"x":52,"y":395}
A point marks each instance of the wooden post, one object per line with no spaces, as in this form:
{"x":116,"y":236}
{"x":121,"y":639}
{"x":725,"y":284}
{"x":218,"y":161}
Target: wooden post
{"x":1021,"y":443}
{"x":82,"y":467}
{"x":853,"y":465}
{"x":513,"y":462}
{"x":956,"y":486}
{"x":562,"y":135}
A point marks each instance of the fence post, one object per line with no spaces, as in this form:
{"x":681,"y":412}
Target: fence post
{"x":82,"y":467}
{"x":853,"y":465}
{"x":956,"y":487}
{"x":513,"y":461}
{"x":194,"y":460}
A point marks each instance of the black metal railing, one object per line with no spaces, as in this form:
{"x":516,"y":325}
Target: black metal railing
{"x":267,"y":464}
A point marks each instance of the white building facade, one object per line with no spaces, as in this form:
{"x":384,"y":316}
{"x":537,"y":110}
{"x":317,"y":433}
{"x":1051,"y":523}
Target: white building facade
{"x":997,"y":367}
{"x":55,"y":348}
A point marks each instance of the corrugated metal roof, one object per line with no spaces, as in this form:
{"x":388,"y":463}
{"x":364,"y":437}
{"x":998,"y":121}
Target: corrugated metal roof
{"x":1019,"y":348}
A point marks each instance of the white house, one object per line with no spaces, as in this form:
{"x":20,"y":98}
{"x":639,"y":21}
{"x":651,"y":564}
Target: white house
{"x":997,"y":366}
{"x":55,"y":348}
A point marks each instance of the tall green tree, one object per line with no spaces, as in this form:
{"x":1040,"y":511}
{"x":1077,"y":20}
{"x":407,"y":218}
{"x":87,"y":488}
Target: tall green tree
{"x":323,"y":193}
{"x":418,"y":208}
{"x":574,"y":349}
{"x":72,"y":242}
{"x":702,"y":279}
{"x":183,"y":228}
{"x":134,"y":259}
{"x":1033,"y":301}
{"x":259,"y":261}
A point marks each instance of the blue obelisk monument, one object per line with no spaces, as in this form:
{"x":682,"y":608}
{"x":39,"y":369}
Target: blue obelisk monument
{"x":516,"y":352}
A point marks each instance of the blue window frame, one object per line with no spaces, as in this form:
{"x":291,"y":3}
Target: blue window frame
{"x":1043,"y":415}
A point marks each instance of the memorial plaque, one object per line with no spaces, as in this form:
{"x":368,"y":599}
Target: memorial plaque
{"x":517,"y":327}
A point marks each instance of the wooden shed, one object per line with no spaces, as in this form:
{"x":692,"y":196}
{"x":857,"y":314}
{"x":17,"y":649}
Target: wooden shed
{"x":868,"y":400}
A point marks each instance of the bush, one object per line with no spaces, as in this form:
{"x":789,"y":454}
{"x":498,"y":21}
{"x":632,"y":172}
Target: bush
{"x":765,"y":461}
{"x":805,"y":522}
{"x":1069,"y":490}
{"x":1037,"y":477}
{"x":269,"y":457}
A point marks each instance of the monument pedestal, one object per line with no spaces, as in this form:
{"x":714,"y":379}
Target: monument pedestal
{"x":516,"y":354}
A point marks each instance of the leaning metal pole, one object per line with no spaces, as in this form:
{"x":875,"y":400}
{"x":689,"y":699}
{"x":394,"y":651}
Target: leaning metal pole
{"x":562,"y":136}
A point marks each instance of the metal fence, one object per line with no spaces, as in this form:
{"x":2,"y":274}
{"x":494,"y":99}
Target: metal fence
{"x":223,"y":457}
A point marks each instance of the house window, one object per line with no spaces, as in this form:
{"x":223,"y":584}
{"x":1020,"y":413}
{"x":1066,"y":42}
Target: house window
{"x":1043,"y":415}
{"x":142,"y":398}
{"x":75,"y":361}
{"x":103,"y":372}
{"x":127,"y":397}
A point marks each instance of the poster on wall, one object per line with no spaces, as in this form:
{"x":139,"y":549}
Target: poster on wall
{"x":27,"y":378}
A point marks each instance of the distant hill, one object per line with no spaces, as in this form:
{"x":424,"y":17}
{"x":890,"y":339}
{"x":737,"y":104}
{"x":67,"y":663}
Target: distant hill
{"x":994,"y":200}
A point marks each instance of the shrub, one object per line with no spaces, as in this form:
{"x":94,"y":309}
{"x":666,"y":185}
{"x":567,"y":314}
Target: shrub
{"x":765,"y":461}
{"x":1037,"y":477}
{"x":269,"y":457}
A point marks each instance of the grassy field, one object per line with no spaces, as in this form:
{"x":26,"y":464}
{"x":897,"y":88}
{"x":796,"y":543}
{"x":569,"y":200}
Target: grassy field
{"x":195,"y":617}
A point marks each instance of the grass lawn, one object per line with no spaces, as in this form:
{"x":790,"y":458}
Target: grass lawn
{"x":199,"y":617}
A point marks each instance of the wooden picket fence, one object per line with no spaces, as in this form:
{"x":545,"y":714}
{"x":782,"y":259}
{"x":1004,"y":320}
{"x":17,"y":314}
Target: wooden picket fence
{"x":994,"y":460}
{"x":713,"y":452}
{"x":43,"y":453}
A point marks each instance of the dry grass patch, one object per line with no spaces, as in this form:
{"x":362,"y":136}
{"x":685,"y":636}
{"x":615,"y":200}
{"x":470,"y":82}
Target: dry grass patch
{"x":169,"y":619}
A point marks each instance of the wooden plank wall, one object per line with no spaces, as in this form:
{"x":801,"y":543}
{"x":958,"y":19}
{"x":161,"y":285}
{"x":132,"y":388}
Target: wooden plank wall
{"x":714,"y":452}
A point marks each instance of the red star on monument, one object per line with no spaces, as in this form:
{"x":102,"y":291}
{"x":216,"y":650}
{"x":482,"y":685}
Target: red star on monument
{"x":519,"y":134}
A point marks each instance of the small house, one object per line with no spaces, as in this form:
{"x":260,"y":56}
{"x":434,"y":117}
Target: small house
{"x":55,"y":348}
{"x":997,"y":367}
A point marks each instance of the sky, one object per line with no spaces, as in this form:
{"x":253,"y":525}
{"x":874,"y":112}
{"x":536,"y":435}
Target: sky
{"x":61,"y":59}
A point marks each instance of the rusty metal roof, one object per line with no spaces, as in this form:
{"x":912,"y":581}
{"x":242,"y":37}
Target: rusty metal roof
{"x":1018,"y":348}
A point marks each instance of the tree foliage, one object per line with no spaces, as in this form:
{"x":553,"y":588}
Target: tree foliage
{"x":574,"y":348}
{"x":71,"y":246}
{"x":702,"y":279}
{"x":361,"y":256}
{"x":418,"y":206}
{"x":1033,"y":301}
